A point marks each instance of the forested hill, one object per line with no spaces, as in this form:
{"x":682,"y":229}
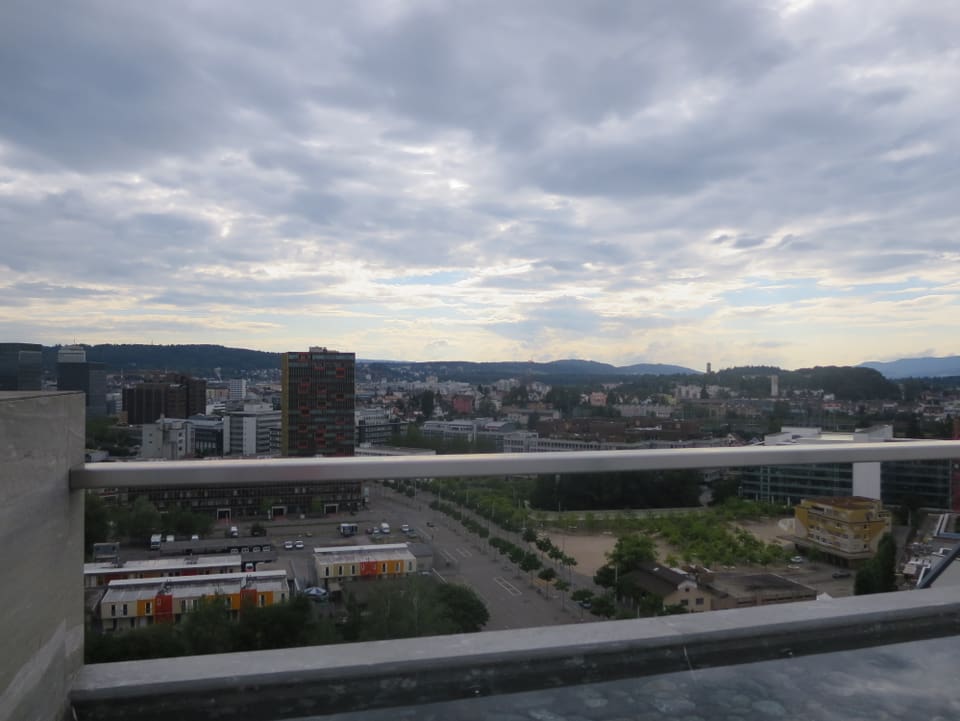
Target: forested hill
{"x":845,"y":382}
{"x":200,"y":360}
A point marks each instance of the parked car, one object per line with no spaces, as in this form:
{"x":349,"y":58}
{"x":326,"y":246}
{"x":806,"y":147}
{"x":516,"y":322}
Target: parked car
{"x":371,"y":530}
{"x":298,"y":544}
{"x":841,"y":574}
{"x":797,"y":559}
{"x":405,"y":528}
{"x":430,"y":524}
{"x":316,"y":593}
{"x":288,"y":545}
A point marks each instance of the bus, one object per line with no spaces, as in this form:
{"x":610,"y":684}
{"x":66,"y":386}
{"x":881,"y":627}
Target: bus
{"x":349,"y":529}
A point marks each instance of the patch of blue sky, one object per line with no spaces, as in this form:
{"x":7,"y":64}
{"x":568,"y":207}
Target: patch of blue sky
{"x":763,"y":291}
{"x":442,"y":277}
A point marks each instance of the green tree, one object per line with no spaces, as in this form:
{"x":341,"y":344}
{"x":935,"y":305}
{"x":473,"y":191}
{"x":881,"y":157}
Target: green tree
{"x":631,"y":551}
{"x":547,"y":574}
{"x":529,"y":535}
{"x":463,"y":607}
{"x":144,"y":520}
{"x":604,"y":606}
{"x":208,"y":628}
{"x":529,"y":563}
{"x":96,"y":520}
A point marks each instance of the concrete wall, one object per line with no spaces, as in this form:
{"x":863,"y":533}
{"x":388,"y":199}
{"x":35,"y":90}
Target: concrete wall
{"x":41,"y":534}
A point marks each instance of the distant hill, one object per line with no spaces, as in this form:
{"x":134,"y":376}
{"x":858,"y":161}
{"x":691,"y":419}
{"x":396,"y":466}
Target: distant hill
{"x":917,"y":367}
{"x":203,"y":360}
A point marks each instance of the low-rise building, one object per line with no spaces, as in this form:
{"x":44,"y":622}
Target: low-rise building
{"x":135,"y":603}
{"x":737,"y":590}
{"x":101,"y":574}
{"x":338,"y":563}
{"x":671,"y":586}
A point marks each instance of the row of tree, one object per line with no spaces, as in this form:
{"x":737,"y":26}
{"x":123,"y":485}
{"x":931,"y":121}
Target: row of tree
{"x":635,"y":489}
{"x":138,"y":521}
{"x":879,"y":574}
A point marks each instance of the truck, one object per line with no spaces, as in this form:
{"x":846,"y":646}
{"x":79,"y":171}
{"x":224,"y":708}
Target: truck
{"x":155,"y":541}
{"x":384,"y":527}
{"x":349,"y":529}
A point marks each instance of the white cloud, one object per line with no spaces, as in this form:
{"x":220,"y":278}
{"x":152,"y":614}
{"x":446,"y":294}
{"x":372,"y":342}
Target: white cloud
{"x":620,"y":181}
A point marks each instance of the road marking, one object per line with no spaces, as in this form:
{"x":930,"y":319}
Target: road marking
{"x":464,"y":552}
{"x":439,"y":575}
{"x":449,"y":556}
{"x":507,"y":586}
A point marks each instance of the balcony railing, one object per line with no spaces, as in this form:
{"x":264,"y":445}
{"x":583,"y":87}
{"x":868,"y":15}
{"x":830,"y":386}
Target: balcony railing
{"x":42,"y":529}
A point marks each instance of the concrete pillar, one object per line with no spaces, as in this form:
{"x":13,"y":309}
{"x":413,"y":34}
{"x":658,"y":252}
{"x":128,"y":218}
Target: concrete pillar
{"x":41,"y":537}
{"x":866,"y":480}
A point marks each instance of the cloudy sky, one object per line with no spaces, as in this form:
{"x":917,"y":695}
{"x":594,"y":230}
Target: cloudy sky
{"x":675,"y":182}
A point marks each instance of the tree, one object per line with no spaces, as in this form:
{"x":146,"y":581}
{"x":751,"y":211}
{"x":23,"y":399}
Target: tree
{"x":208,"y":628}
{"x":463,"y":606}
{"x":529,"y":562}
{"x":547,"y":574}
{"x":631,"y":551}
{"x":529,"y":535}
{"x":606,"y":576}
{"x":604,"y":606}
{"x":581,"y":595}
{"x":144,"y":519}
{"x":96,"y":520}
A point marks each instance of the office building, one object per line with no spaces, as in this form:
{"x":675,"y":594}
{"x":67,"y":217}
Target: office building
{"x":252,"y":431}
{"x":318,"y":403}
{"x":935,"y":483}
{"x":169,"y":439}
{"x":175,"y":396}
{"x":21,"y":366}
{"x":75,"y":373}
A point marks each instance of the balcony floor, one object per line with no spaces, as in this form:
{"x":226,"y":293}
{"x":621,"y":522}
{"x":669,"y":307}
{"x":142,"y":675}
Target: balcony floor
{"x":914,"y":680}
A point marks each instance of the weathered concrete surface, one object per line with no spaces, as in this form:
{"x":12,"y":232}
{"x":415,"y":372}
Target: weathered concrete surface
{"x":329,"y":679}
{"x":41,"y":535}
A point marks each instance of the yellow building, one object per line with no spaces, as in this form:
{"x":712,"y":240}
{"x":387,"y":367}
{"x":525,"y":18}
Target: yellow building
{"x":847,"y":527}
{"x":133,"y":603}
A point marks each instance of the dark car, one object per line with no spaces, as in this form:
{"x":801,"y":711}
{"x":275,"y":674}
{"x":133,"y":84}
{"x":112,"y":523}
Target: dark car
{"x":841,"y":574}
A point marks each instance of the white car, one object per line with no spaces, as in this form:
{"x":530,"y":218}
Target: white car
{"x":298,"y":544}
{"x":405,"y":528}
{"x":288,"y":545}
{"x":796,"y":559}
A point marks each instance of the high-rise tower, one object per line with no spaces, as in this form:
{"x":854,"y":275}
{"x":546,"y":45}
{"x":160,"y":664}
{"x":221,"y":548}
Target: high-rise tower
{"x":318,"y":403}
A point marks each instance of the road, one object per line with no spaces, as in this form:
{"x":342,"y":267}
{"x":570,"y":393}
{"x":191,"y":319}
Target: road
{"x":513,"y":599}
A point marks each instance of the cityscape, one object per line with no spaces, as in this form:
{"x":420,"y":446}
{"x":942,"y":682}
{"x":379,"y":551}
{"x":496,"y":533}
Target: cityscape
{"x":608,"y":545}
{"x":538,"y":361}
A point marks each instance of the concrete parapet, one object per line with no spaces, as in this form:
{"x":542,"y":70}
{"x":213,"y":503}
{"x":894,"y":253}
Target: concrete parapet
{"x":316,"y":681}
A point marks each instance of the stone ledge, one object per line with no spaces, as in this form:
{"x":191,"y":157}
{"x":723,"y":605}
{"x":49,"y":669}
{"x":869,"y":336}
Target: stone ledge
{"x":322,"y":680}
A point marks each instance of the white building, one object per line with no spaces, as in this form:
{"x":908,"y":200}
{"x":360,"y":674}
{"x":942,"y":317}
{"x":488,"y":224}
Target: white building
{"x":254,"y":431}
{"x":236,"y":389}
{"x":170,"y":439}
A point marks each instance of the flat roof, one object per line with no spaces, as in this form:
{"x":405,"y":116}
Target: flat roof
{"x":363,"y":554}
{"x":162,"y":564}
{"x":739,"y":584}
{"x":844,"y":501}
{"x":371,"y":546}
{"x":145,"y":589}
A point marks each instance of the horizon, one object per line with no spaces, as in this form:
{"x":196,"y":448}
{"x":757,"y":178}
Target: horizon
{"x":732,"y":182}
{"x":519,"y":361}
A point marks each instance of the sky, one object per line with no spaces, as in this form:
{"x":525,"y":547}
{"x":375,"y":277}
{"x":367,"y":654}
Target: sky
{"x":682,"y":182}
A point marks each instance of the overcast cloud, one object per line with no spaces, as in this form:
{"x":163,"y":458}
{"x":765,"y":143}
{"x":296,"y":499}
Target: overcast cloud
{"x":733,"y":182}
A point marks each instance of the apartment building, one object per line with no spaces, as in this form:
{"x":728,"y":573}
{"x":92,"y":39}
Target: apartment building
{"x":318,"y":402}
{"x":847,"y":527}
{"x":135,"y":603}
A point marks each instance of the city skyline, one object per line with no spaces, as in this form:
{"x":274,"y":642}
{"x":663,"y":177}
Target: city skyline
{"x":738,"y":183}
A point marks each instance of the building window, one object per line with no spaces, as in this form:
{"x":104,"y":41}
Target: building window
{"x":183,"y":606}
{"x":699,"y":601}
{"x":148,"y":608}
{"x":326,"y":571}
{"x":123,"y":610}
{"x":684,"y":602}
{"x":263,"y":600}
{"x":113,"y":609}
